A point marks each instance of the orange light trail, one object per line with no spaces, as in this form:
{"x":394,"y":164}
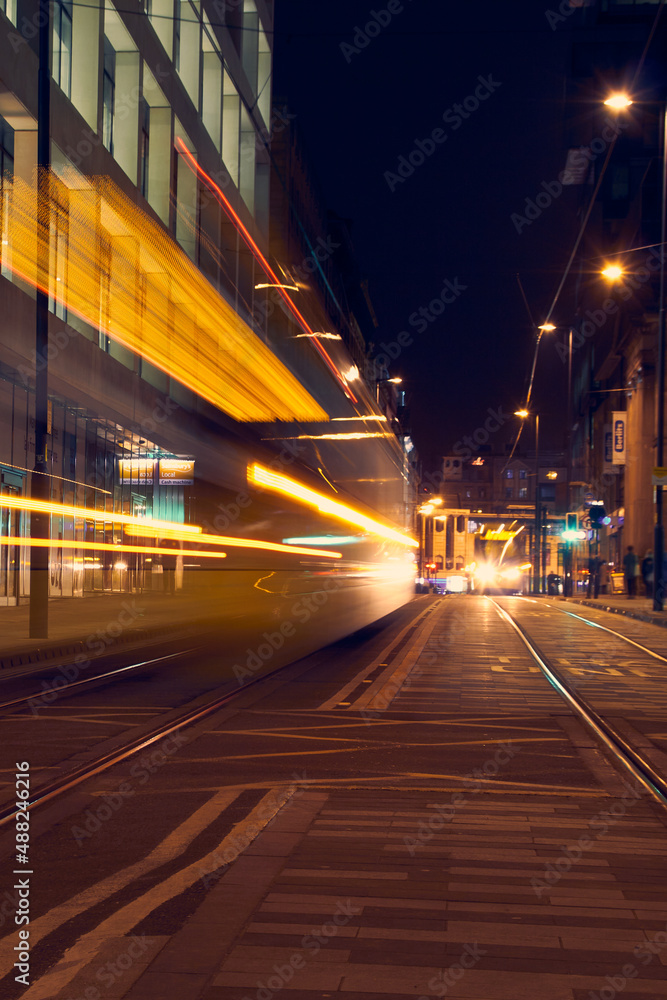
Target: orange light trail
{"x":240,"y":543}
{"x":261,"y":476}
{"x":69,"y":543}
{"x":200,"y":172}
{"x":147,"y":528}
{"x":126,"y":276}
{"x":89,"y":514}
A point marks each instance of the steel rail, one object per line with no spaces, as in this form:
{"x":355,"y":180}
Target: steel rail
{"x":638,"y":766}
{"x":612,"y":631}
{"x":62,"y":688}
{"x":68,"y":781}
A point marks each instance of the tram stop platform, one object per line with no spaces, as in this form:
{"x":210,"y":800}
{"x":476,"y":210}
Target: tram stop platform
{"x":78,"y":625}
{"x":634,"y":607}
{"x":93,"y":624}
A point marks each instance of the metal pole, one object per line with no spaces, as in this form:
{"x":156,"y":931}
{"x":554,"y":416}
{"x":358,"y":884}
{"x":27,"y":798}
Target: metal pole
{"x":40,"y":484}
{"x":658,"y":531}
{"x":568,"y":564}
{"x":537,"y":533}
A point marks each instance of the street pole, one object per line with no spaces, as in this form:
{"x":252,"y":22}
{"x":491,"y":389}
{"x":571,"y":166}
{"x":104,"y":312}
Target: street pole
{"x":40,"y":484}
{"x":658,"y":531}
{"x":537,"y":532}
{"x":568,"y":569}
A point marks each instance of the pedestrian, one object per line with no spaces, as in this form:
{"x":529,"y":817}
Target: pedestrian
{"x":604,"y":577}
{"x":630,"y":571}
{"x":647,"y":573}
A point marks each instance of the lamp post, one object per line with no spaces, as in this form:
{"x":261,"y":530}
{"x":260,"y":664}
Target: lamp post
{"x":537,"y":531}
{"x":383,"y":381}
{"x":620,"y":102}
{"x":40,"y":483}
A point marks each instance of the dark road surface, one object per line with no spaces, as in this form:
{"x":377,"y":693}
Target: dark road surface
{"x":414,"y":811}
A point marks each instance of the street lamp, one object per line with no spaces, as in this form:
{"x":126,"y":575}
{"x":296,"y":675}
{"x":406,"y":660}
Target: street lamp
{"x":384,"y":381}
{"x":620,"y":102}
{"x":537,"y":531}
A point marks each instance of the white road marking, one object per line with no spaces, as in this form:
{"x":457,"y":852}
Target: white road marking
{"x":173,"y":845}
{"x":119,"y":923}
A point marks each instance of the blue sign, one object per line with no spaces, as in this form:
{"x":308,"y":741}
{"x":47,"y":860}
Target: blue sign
{"x":619,"y":436}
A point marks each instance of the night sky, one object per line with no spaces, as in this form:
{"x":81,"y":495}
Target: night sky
{"x":450,"y":221}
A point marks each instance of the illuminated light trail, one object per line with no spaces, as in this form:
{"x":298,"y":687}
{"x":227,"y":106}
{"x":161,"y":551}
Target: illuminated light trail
{"x":380,"y":419}
{"x":179,"y":323}
{"x":349,"y":436}
{"x":71,"y":543}
{"x":265,"y":478}
{"x":242,"y":543}
{"x":89,"y":514}
{"x":147,"y":528}
{"x":223,"y":201}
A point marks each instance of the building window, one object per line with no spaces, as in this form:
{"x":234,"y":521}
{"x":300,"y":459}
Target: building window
{"x":508,"y":492}
{"x":62,"y":45}
{"x":144,"y":133}
{"x":509,"y":474}
{"x":108,"y":94}
{"x":482,"y":493}
{"x":8,"y":8}
{"x":522,"y":474}
{"x":523,"y":492}
{"x":468,"y":494}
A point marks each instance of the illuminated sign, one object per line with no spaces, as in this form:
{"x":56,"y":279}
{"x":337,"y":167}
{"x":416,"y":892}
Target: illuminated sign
{"x":477,"y":461}
{"x":618,"y":438}
{"x":177,"y":471}
{"x":137,"y":471}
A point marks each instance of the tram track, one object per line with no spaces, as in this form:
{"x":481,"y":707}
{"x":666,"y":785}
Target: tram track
{"x":188,"y":717}
{"x":629,"y":757}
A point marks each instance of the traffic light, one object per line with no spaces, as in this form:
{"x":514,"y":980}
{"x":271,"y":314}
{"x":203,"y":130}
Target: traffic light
{"x":572,"y":532}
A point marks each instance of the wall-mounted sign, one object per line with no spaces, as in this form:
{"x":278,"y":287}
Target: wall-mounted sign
{"x":137,"y":471}
{"x":177,"y":471}
{"x":618,"y":436}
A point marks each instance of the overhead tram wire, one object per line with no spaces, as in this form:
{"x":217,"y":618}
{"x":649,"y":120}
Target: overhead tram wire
{"x":288,"y":33}
{"x":584,"y":222}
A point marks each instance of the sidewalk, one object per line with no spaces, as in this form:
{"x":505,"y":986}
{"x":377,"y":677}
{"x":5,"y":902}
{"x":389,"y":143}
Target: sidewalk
{"x":635,"y":607}
{"x":91,"y":624}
